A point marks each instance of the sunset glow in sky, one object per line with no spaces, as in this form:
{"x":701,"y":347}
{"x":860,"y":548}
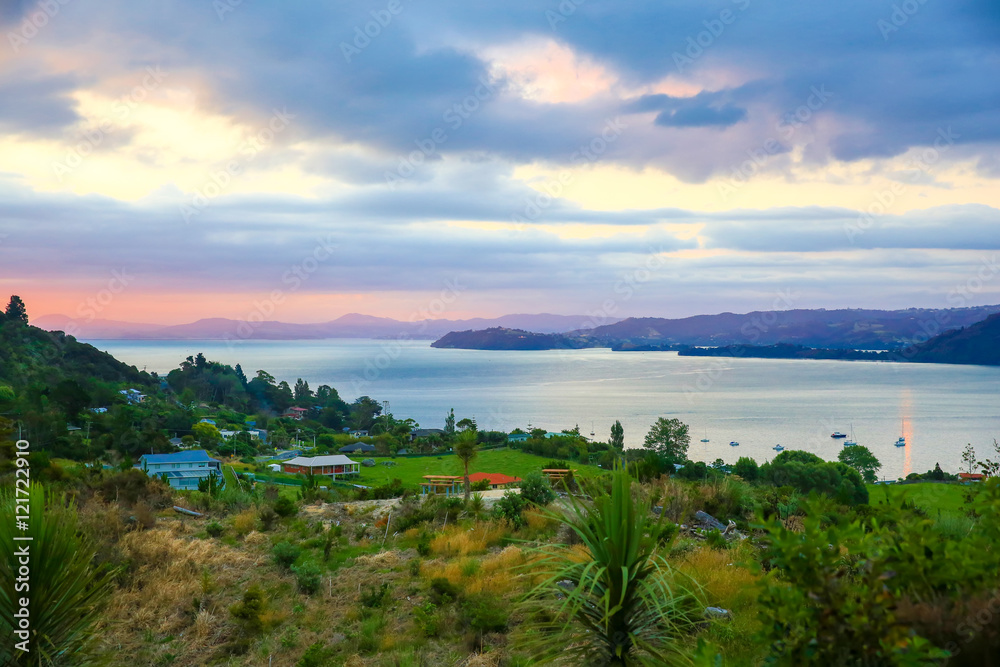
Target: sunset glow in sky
{"x":199,"y":156}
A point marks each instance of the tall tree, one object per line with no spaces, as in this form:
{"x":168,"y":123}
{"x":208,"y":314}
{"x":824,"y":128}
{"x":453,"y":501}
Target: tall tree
{"x":449,"y":422}
{"x":617,"y":440}
{"x":16,"y":310}
{"x":669,"y":439}
{"x":302,"y":390}
{"x":863,"y":460}
{"x":969,"y":458}
{"x":241,"y":375}
{"x":465,"y":450}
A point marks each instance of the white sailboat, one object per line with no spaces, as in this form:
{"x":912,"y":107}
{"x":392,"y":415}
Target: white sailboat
{"x":850,"y":442}
{"x":901,"y":441}
{"x":778,"y":448}
{"x":705,"y":439}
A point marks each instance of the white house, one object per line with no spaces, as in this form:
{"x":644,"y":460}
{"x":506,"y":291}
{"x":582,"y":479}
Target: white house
{"x":184,"y":469}
{"x":333,"y":466}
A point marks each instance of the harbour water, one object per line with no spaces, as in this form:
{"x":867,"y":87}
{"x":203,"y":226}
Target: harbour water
{"x":757,"y":402}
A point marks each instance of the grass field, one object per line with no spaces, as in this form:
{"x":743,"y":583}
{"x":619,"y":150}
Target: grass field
{"x":412,"y":470}
{"x":932,"y":497}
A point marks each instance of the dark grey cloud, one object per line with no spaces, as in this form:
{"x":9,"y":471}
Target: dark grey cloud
{"x":36,"y":103}
{"x":893,"y":89}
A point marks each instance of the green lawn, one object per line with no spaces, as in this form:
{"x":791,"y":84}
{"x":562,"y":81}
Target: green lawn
{"x":412,"y":470}
{"x":507,"y":461}
{"x":948,"y":498}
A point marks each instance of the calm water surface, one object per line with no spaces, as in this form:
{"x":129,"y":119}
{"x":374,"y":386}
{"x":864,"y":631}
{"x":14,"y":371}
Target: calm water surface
{"x":757,"y":402}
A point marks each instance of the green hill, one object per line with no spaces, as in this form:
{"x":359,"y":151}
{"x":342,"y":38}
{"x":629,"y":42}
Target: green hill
{"x":975,"y":344}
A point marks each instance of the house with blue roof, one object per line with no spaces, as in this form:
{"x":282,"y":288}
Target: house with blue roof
{"x":184,"y":469}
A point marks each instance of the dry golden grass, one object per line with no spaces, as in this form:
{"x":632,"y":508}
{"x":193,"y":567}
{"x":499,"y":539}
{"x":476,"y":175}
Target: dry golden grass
{"x":245,"y":522}
{"x":459,"y":541}
{"x":725,"y":581}
{"x":167,"y":578}
{"x":497,"y":573}
{"x":537,"y":521}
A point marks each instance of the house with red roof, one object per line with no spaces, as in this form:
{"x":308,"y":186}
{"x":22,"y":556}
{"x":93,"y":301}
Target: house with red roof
{"x":295,"y":413}
{"x":497,"y":480}
{"x":971,"y":477}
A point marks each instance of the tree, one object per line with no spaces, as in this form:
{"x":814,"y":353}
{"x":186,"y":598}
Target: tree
{"x":617,"y":440}
{"x":207,"y":435}
{"x":626,"y":605}
{"x":989,"y":467}
{"x":449,"y":422}
{"x":302,"y":390}
{"x":200,"y":362}
{"x":67,"y":590}
{"x":669,"y":439}
{"x":16,"y":312}
{"x":969,"y":458}
{"x":364,"y":411}
{"x":241,"y":375}
{"x":863,"y":460}
{"x":747,"y":468}
{"x":465,"y":450}
{"x":72,"y":397}
{"x":466,"y":424}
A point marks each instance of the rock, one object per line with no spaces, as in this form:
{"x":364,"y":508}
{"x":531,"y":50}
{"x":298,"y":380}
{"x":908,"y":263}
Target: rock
{"x":709,"y":520}
{"x":718,"y":613}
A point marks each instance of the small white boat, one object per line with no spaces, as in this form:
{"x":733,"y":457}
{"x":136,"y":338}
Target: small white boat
{"x":901,"y":442}
{"x":850,"y":442}
{"x":779,"y":448}
{"x":838,"y":434}
{"x":705,"y":439}
{"x":734,"y":444}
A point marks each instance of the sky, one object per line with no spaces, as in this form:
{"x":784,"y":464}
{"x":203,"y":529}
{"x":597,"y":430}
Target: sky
{"x":167,"y":161}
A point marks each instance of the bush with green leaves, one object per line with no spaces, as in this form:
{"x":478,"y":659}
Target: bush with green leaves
{"x":285,"y":553}
{"x":509,"y":508}
{"x":214,"y":528}
{"x":308,"y":575}
{"x":442,"y":591}
{"x":624,"y":605}
{"x":67,"y":591}
{"x":317,"y":655}
{"x":747,"y":468}
{"x":537,"y":490}
{"x":427,"y":619}
{"x":248,"y":611}
{"x":485,"y":612}
{"x":376,"y":598}
{"x":806,"y":472}
{"x":285,"y":507}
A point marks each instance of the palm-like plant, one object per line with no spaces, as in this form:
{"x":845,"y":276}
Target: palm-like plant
{"x":465,"y":450}
{"x":624,"y":605}
{"x":65,"y":591}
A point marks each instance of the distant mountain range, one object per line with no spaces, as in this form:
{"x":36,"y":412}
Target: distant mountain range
{"x":844,"y":329}
{"x":349,"y":326}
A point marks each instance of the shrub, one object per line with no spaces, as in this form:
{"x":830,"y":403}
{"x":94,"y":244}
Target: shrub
{"x":244,"y":522}
{"x":317,"y":655}
{"x":285,"y":553}
{"x":536,"y":489}
{"x":481,"y":485}
{"x":427,"y":620}
{"x":267,"y":517}
{"x":248,"y":612}
{"x":509,"y":509}
{"x":285,"y":507}
{"x":485,"y":613}
{"x":424,"y":544}
{"x":214,"y":528}
{"x":443,"y":591}
{"x":376,"y":598}
{"x":308,"y":575}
